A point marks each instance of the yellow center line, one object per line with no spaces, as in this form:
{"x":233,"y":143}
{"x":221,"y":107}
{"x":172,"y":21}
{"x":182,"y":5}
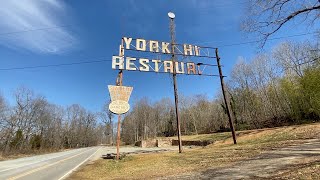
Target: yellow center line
{"x":43,"y":167}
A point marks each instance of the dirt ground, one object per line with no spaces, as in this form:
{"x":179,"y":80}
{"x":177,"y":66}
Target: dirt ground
{"x":291,"y":152}
{"x":283,"y":163}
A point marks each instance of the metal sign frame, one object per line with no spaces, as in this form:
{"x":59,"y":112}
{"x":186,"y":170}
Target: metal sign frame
{"x":173,"y":49}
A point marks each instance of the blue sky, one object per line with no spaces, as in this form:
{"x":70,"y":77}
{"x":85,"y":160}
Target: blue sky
{"x":36,"y":33}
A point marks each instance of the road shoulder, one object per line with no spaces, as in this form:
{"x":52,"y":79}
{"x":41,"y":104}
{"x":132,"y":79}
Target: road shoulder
{"x":275,"y":164}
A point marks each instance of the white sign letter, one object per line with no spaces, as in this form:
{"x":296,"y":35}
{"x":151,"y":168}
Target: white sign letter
{"x":165,"y":48}
{"x":141,"y":44}
{"x":127,"y":41}
{"x":191,"y":68}
{"x":156,"y":65}
{"x":144,"y":64}
{"x":130,"y":65}
{"x":181,"y":69}
{"x":197,"y":50}
{"x":117,"y":61}
{"x":168,"y":65}
{"x":154,"y":46}
{"x":187,"y":50}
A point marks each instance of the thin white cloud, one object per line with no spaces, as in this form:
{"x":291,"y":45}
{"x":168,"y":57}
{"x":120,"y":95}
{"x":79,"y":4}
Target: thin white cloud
{"x":25,"y":15}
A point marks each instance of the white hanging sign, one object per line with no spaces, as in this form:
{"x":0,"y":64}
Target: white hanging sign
{"x":120,"y":96}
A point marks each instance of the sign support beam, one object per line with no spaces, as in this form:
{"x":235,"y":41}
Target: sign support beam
{"x":226,"y":100}
{"x":174,"y":75}
{"x":119,"y":83}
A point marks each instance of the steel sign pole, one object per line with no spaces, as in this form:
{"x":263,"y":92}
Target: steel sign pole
{"x":119,"y":83}
{"x":226,"y":100}
{"x":176,"y":100}
{"x":118,"y":137}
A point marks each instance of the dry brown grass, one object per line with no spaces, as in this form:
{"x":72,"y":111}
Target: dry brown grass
{"x":162,"y":164}
{"x":306,"y":170}
{"x":309,"y":172}
{"x":221,"y":154}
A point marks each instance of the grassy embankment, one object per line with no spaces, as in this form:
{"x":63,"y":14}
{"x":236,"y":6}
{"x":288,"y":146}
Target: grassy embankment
{"x":220,"y":154}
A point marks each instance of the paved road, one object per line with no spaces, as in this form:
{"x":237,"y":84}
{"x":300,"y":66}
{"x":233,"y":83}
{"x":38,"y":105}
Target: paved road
{"x":57,"y":165}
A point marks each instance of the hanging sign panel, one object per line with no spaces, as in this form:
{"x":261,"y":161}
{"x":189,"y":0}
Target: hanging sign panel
{"x":119,"y":107}
{"x":120,"y":96}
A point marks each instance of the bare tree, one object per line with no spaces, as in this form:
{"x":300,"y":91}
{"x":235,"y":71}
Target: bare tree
{"x":3,"y":109}
{"x":33,"y":124}
{"x":106,"y":117}
{"x":4,"y":124}
{"x":294,"y":58}
{"x":266,"y":17}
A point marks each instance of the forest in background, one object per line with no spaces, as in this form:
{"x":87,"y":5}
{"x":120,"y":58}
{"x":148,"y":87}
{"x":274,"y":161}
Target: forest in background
{"x":34,"y":125}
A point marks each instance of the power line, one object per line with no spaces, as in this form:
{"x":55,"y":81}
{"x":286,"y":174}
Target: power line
{"x":88,"y":62}
{"x":53,"y":65}
{"x":99,"y":61}
{"x":256,"y":41}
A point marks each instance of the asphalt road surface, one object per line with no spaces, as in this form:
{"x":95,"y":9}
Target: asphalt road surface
{"x":58,"y":165}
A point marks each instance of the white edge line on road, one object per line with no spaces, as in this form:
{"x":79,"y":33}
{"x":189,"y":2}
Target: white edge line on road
{"x":69,"y":172}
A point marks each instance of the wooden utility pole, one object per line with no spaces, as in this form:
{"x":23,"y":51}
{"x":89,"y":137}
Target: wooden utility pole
{"x":175,"y":87}
{"x":226,"y":99}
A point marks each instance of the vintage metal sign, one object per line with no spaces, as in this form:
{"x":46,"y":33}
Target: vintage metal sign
{"x":157,"y":65}
{"x":165,"y":47}
{"x":154,"y":65}
{"x":120,"y":96}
